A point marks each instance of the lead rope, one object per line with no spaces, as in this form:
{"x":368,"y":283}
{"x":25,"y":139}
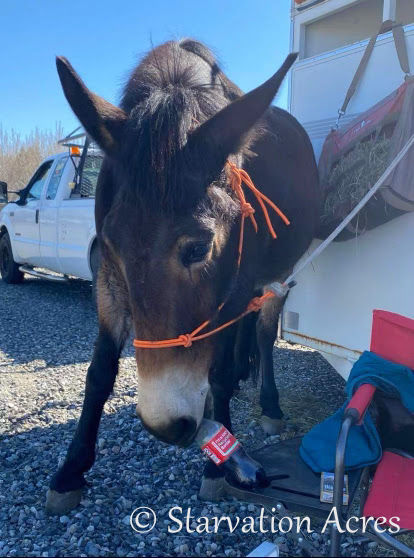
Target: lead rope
{"x":237,"y":178}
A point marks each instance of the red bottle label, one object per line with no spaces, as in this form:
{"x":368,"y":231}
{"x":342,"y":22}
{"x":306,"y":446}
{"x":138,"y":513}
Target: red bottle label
{"x":220,"y":447}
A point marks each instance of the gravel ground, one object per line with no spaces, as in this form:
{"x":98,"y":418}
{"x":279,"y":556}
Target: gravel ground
{"x":47,"y":332}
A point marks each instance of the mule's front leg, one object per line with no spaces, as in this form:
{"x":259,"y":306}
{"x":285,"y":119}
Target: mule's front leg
{"x":66,"y":485}
{"x":114,"y":323}
{"x":240,"y":469}
{"x":266,"y":331}
{"x":221,"y":379}
{"x":212,"y":485}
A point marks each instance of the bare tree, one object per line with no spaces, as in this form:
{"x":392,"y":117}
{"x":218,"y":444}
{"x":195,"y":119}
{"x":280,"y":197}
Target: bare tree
{"x":20,"y":156}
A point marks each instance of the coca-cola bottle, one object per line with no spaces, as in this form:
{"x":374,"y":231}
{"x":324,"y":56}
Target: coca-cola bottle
{"x":227,"y":453}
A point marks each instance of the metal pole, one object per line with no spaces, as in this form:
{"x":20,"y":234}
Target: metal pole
{"x":392,"y":542}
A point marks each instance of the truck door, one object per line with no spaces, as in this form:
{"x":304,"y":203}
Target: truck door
{"x":26,"y":218}
{"x":48,"y":218}
{"x":77,"y":221}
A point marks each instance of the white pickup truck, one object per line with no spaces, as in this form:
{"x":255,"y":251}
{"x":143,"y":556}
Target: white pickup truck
{"x":52,"y":225}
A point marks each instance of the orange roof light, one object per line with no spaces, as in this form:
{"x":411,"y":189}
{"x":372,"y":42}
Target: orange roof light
{"x":74,"y":150}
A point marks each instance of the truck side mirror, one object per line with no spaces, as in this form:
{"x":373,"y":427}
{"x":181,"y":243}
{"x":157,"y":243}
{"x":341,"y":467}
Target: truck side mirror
{"x":3,"y":192}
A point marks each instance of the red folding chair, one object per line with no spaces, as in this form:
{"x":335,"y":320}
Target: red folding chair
{"x":391,"y":492}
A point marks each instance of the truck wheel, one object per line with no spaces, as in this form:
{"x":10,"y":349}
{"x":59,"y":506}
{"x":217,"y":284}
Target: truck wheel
{"x":9,"y":269}
{"x":95,"y":256}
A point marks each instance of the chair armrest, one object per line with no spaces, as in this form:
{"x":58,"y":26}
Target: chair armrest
{"x":360,"y":402}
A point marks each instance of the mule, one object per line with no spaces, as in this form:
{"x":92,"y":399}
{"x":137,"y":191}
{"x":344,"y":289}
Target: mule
{"x":168,"y":227}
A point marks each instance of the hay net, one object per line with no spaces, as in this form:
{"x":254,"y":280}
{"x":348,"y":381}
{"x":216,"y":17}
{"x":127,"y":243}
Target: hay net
{"x":355,"y":156}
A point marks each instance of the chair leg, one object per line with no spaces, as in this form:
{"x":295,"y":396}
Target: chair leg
{"x":339,"y":483}
{"x":364,"y":489}
{"x":335,"y":542}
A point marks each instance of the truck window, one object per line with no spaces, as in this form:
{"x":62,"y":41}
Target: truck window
{"x":38,"y":181}
{"x":90,"y":174}
{"x":55,"y":179}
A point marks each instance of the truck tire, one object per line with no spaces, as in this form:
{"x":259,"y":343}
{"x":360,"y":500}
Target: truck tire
{"x":9,"y":269}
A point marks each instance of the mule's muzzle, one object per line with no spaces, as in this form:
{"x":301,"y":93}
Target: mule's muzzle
{"x":179,"y":432}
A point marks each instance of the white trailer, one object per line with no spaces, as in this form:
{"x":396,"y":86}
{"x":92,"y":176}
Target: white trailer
{"x":331,"y":307}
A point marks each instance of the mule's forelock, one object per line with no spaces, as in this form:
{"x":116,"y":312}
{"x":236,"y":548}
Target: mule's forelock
{"x":171,"y":93}
{"x":158,"y":166}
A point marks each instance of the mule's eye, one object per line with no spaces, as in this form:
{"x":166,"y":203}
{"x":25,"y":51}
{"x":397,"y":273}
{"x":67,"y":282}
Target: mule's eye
{"x":194,"y":252}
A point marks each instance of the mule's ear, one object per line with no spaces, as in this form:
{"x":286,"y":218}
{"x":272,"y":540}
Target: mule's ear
{"x":103,"y":121}
{"x":228,"y":130}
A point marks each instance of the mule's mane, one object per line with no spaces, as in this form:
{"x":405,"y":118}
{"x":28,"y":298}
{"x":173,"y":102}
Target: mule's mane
{"x":177,"y":86}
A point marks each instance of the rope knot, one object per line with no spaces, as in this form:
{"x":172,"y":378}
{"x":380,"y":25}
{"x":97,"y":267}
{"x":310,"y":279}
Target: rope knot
{"x":186,"y":340}
{"x":247,"y":209}
{"x":255,"y":304}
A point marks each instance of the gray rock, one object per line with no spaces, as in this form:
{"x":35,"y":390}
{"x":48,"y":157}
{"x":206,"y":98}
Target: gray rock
{"x":91,"y":549}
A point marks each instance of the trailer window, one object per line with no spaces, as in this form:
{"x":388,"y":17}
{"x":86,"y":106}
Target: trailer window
{"x":405,"y":12}
{"x":342,"y":28}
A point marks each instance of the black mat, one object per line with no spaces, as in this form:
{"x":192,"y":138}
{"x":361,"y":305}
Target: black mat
{"x":293,"y":483}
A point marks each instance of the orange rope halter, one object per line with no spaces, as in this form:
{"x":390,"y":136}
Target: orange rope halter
{"x":238,"y":177}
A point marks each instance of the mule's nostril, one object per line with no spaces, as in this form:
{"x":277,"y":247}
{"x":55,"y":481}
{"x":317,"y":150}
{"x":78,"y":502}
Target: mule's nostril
{"x":184,"y":430}
{"x":179,"y":431}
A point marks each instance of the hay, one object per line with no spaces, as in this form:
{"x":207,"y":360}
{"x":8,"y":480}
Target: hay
{"x":353,"y":175}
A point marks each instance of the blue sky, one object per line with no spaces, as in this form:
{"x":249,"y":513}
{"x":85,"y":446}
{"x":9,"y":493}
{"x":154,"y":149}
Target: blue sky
{"x":104,"y":39}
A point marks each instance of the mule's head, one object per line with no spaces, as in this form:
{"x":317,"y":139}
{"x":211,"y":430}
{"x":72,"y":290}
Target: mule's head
{"x":168,"y":229}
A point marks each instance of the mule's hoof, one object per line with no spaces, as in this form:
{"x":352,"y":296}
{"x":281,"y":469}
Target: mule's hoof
{"x":61,"y":503}
{"x":270,"y":426}
{"x":212,"y":490}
